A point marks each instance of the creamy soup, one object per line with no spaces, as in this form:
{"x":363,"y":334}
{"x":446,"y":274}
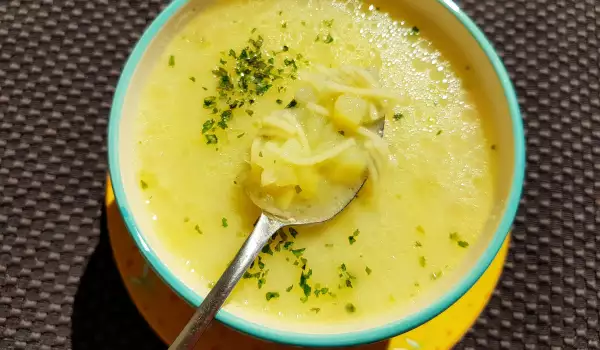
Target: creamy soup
{"x":238,"y":62}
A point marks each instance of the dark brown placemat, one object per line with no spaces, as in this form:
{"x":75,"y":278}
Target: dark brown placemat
{"x":59,"y":63}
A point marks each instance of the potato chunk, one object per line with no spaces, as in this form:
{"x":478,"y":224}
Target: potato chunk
{"x":349,"y":111}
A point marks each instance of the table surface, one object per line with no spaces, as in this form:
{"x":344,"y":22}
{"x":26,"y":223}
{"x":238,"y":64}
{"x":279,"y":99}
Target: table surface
{"x":59,"y":63}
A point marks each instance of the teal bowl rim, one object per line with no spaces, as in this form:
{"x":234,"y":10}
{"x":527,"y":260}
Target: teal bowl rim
{"x":320,"y":340}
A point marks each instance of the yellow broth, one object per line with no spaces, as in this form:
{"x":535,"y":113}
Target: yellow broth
{"x":396,"y":241}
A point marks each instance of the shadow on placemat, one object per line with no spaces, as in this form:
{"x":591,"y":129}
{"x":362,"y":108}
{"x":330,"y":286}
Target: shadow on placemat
{"x":104,"y":317}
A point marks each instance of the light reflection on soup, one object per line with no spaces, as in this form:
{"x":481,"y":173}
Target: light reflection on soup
{"x":392,"y":244}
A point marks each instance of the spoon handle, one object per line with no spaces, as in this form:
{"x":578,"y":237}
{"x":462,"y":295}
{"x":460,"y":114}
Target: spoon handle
{"x":263,"y":230}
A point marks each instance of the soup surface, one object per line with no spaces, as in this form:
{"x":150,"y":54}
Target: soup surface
{"x":404,"y":234}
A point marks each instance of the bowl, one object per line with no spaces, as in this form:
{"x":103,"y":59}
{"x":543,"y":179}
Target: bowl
{"x":452,"y":31}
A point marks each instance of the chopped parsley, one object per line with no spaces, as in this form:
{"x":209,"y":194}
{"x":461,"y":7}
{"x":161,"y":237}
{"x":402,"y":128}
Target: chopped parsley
{"x":418,"y":244}
{"x":454,"y":236}
{"x":292,"y":104}
{"x":224,"y":222}
{"x":328,"y":23}
{"x":241,"y":135}
{"x":422,"y":261}
{"x":171,"y":61}
{"x":288,"y":245}
{"x":298,"y":189}
{"x":368,"y":270}
{"x":208,"y":125}
{"x":293,"y":232}
{"x":414,"y":31}
{"x":186,"y":219}
{"x":279,"y":101}
{"x":193,"y":79}
{"x":306,"y":288}
{"x":211,"y":139}
{"x":261,"y":264}
{"x":315,"y":309}
{"x":249,"y":112}
{"x":328,"y":39}
{"x":267,"y":249}
{"x":197,"y":228}
{"x":346,"y":276}
{"x":283,"y":24}
{"x":398,"y":116}
{"x":210,"y":102}
{"x":350,"y":308}
{"x":225,"y":117}
{"x":352,"y":239}
{"x":320,"y":291}
{"x":143,"y":184}
{"x":271,"y":295}
{"x":329,"y":245}
{"x":438,"y":133}
{"x":289,"y":288}
{"x":298,"y":252}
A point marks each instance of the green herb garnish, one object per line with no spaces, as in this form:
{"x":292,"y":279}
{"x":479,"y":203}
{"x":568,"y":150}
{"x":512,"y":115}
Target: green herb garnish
{"x":329,"y":39}
{"x":171,"y":61}
{"x":329,"y":245}
{"x":298,"y":189}
{"x":197,"y":228}
{"x":143,"y":184}
{"x":352,"y":239}
{"x":271,"y":295}
{"x":306,"y":288}
{"x":315,"y":309}
{"x":267,"y":249}
{"x":208,"y":125}
{"x":350,"y":308}
{"x":418,"y":244}
{"x":293,"y":232}
{"x":289,"y":288}
{"x":261,"y":264}
{"x":398,"y":116}
{"x":279,"y":101}
{"x":224,"y":222}
{"x":438,"y":133}
{"x":292,"y":104}
{"x":241,"y":135}
{"x":193,"y":79}
{"x":422,"y":261}
{"x":211,"y":139}
{"x":368,"y":270}
{"x":298,"y":252}
{"x":454,"y":236}
{"x":210,"y":102}
{"x":328,"y":23}
{"x":414,"y":31}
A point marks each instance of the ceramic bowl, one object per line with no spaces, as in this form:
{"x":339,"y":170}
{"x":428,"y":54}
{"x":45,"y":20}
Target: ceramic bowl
{"x":452,"y":31}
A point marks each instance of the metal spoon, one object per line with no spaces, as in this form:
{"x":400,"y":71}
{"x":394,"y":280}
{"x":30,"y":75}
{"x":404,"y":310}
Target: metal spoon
{"x":268,"y":223}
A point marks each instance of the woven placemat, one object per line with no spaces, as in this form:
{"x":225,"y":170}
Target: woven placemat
{"x":59,"y":63}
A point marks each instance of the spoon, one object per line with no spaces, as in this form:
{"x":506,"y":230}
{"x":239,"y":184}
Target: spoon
{"x":268,"y":224}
